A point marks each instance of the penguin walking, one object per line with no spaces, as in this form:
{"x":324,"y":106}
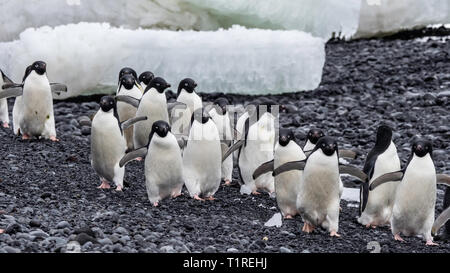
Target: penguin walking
{"x":255,"y":148}
{"x":415,"y":197}
{"x":221,"y":118}
{"x":163,"y":163}
{"x":318,"y":198}
{"x":108,"y":143}
{"x":202,"y":157}
{"x":128,"y":87}
{"x":286,"y":184}
{"x":145,"y":78}
{"x":153,"y":105}
{"x":181,"y":118}
{"x":376,"y":207}
{"x":33,"y":108}
{"x":4,"y":114}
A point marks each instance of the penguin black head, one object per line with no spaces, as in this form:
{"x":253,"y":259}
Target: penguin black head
{"x":39,"y":66}
{"x":327,"y":144}
{"x":146,"y":77}
{"x":384,"y":136}
{"x":200,"y":115}
{"x":128,"y":81}
{"x":187,"y":84}
{"x":314,"y":135}
{"x":161,"y":128}
{"x":222,"y":103}
{"x":127,"y":71}
{"x":159,"y":84}
{"x":263,"y":108}
{"x":285,"y":135}
{"x":107,"y":103}
{"x":422,"y":147}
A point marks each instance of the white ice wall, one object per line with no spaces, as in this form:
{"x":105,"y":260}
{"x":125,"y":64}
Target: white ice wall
{"x":237,"y":60}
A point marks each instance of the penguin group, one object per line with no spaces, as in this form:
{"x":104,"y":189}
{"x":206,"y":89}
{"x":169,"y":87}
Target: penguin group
{"x":197,"y":144}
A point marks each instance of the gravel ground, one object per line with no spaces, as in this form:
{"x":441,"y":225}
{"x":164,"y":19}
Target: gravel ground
{"x":48,"y":194}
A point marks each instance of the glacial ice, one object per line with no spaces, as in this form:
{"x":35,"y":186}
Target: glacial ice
{"x":379,"y":17}
{"x":275,"y":220}
{"x":238,"y":60}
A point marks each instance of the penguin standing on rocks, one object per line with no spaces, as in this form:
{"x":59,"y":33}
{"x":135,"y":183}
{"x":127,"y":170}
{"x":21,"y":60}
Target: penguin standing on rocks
{"x":128,"y":87}
{"x":145,"y":78}
{"x":376,"y":208}
{"x":286,"y":184}
{"x":181,"y":118}
{"x":202,"y":157}
{"x":318,"y":198}
{"x":163,"y":163}
{"x":4,"y":114}
{"x":415,"y":197}
{"x":33,"y":108}
{"x":255,"y":148}
{"x":221,"y":118}
{"x":153,"y":105}
{"x":108,"y":143}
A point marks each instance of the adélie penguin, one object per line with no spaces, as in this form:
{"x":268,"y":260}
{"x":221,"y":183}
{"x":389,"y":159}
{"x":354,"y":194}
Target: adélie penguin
{"x":145,"y":78}
{"x":128,"y":86}
{"x":181,"y":118}
{"x":255,"y":148}
{"x":376,"y":207}
{"x":202,"y":157}
{"x":286,"y":184}
{"x":33,"y":108}
{"x":4,"y":114}
{"x":312,"y":137}
{"x":153,"y":105}
{"x":163,"y":163}
{"x":415,"y":197}
{"x":221,"y":118}
{"x":318,"y":198}
{"x":108,"y":143}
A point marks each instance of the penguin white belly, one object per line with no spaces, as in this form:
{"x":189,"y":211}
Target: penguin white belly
{"x":37,"y":107}
{"x":378,"y":210}
{"x":154,"y":110}
{"x":415,"y":199}
{"x":223,"y":125}
{"x":240,"y":128}
{"x":309,"y":146}
{"x":287,"y":184}
{"x":192,"y":100}
{"x":16,"y":114}
{"x":108,"y":147}
{"x":202,"y":159}
{"x":4,"y":114}
{"x":126,"y":111}
{"x":163,"y":168}
{"x":318,"y":198}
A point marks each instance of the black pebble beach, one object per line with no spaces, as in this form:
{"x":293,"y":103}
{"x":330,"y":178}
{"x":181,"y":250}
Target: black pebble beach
{"x":49,"y":195}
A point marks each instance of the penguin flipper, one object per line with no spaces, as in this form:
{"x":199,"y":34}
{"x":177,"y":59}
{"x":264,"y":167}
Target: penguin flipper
{"x":440,"y":221}
{"x":141,"y":152}
{"x":182,"y":141}
{"x":387,"y":177}
{"x":127,"y":123}
{"x":11,"y":91}
{"x":5,"y":78}
{"x":128,"y":99}
{"x":353,"y":171}
{"x":233,"y":148}
{"x":443,"y":178}
{"x":264,"y":168}
{"x":347,"y":154}
{"x":289,"y":166}
{"x":58,"y":87}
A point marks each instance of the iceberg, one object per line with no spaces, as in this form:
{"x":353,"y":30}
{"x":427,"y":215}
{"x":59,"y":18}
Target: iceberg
{"x":381,"y":17}
{"x":88,"y":56}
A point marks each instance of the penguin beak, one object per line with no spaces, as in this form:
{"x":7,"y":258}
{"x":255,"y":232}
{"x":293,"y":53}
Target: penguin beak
{"x":419,"y":148}
{"x":168,"y":85}
{"x":195,"y":84}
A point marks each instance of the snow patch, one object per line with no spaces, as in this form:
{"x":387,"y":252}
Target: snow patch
{"x":350,"y":194}
{"x":276,"y":220}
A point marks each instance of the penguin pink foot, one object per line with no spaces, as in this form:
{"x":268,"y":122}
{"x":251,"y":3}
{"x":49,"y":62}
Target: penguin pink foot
{"x":288,"y":216}
{"x":398,"y":238}
{"x":175,"y":195}
{"x":431,"y":243}
{"x":227,"y":182}
{"x":196,"y":197}
{"x":155,"y":204}
{"x":210,"y":198}
{"x":53,"y":138}
{"x":256,"y":192}
{"x":334,"y":234}
{"x":25,"y":136}
{"x":5,"y":125}
{"x":1,"y":231}
{"x":104,"y":185}
{"x":139,"y":158}
{"x":119,"y":188}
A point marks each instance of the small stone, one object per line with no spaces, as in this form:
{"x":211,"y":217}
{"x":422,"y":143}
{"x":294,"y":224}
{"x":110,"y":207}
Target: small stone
{"x":232,"y":250}
{"x":83,"y":238}
{"x":285,"y":250}
{"x":210,"y":249}
{"x":62,"y":224}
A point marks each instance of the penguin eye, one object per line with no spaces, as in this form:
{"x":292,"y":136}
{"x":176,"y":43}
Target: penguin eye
{"x":323,"y":145}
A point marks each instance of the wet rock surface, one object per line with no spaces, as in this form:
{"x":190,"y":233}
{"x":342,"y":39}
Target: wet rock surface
{"x":49,"y":201}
